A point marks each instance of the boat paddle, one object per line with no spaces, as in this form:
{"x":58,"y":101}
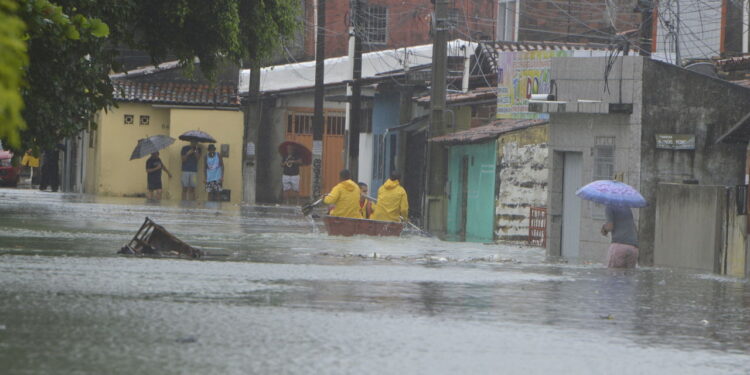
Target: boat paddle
{"x":421,"y":231}
{"x":308,"y":208}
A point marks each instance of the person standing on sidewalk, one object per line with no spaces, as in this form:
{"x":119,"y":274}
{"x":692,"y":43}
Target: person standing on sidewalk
{"x":214,"y":173}
{"x":190,"y":155}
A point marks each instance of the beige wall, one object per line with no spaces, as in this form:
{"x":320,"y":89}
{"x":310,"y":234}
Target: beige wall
{"x":226,"y":128}
{"x":113,"y":171}
{"x":110,"y":172}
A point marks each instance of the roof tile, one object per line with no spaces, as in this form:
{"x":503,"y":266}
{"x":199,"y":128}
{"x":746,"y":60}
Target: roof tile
{"x":184,"y":93}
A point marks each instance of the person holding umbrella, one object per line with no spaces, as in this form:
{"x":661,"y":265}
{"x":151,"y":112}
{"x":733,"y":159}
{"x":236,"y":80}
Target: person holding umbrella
{"x":189,"y":155}
{"x":618,"y":198}
{"x":154,"y":167}
{"x":151,"y":146}
{"x":290,"y":176}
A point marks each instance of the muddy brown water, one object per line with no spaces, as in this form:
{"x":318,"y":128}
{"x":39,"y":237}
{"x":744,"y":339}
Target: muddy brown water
{"x":274,"y":295}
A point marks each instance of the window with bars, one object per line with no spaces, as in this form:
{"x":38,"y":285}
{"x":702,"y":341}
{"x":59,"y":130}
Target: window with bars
{"x":506,"y":20}
{"x":374,"y":25}
{"x":604,"y":158}
{"x":335,"y":125}
{"x":301,"y":123}
{"x":604,"y":168}
{"x":455,"y":17}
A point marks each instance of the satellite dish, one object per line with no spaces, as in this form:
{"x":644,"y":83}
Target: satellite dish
{"x":705,"y":68}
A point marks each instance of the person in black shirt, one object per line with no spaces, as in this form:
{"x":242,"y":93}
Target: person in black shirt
{"x":154,"y":167}
{"x":290,"y":179}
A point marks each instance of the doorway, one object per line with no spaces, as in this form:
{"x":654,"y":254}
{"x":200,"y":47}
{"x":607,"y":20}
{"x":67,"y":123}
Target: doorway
{"x":571,"y":208}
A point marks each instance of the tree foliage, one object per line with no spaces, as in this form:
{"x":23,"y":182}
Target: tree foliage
{"x":12,"y":60}
{"x":71,"y":49}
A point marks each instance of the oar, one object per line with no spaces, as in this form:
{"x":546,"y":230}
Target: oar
{"x":421,"y":231}
{"x":307,"y":209}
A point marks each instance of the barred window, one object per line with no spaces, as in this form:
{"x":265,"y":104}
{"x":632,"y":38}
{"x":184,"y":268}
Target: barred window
{"x":455,"y":18}
{"x":375,"y":25}
{"x":604,"y":168}
{"x":604,"y":158}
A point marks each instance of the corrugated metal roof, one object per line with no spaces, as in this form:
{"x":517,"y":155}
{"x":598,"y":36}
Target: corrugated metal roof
{"x":183,"y":93}
{"x":493,"y":130}
{"x":475,"y":94}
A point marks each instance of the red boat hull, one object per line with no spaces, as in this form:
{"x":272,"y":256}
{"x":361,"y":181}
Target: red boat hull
{"x":344,"y":226}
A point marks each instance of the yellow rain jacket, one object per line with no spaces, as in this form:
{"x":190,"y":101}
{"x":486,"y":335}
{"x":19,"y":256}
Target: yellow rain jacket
{"x":29,"y":160}
{"x":392,"y":202}
{"x":345,"y":197}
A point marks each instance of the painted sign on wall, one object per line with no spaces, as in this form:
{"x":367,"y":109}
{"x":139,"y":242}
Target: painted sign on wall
{"x":521,"y":74}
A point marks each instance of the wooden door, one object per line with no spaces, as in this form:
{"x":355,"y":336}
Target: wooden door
{"x":299,"y":129}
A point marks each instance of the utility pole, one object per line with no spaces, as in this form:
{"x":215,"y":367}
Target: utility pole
{"x":646,"y":8}
{"x":677,"y":37}
{"x":354,"y":89}
{"x":435,"y":171}
{"x":317,"y":128}
{"x":252,"y":128}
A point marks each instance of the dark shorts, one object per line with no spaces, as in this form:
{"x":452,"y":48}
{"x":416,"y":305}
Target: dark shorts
{"x":154,"y":184}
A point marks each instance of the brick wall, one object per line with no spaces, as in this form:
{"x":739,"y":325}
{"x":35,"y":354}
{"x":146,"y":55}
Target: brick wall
{"x":408,"y":24}
{"x":575,"y":21}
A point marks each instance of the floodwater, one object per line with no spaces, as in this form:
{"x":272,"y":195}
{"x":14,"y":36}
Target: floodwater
{"x":274,"y":295}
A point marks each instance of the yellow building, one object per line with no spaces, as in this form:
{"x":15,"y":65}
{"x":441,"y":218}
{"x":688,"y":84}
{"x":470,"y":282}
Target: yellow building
{"x":152,"y":102}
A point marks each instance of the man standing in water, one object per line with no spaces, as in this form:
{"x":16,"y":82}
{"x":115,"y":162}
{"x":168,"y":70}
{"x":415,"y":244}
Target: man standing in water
{"x":190,"y":154}
{"x":290,"y":178}
{"x":623,"y":252}
{"x":154,"y":167}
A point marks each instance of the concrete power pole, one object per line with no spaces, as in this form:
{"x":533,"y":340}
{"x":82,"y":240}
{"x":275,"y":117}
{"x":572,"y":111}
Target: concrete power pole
{"x":435,"y":171}
{"x":252,"y":127}
{"x":354,"y":89}
{"x":317,"y":130}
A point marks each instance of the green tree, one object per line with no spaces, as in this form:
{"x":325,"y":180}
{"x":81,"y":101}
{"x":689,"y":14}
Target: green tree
{"x":71,"y":49}
{"x":13,"y":58}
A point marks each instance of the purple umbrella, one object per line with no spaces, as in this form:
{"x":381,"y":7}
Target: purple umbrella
{"x":612,"y":193}
{"x":198,"y":136}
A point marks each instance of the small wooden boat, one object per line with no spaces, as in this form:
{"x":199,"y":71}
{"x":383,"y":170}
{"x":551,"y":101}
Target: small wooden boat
{"x":344,"y":226}
{"x":153,"y":239}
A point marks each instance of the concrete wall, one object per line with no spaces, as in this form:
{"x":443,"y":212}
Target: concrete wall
{"x":583,"y":78}
{"x":689,"y":221}
{"x":697,"y":227}
{"x":112,"y":173}
{"x":674,"y":105}
{"x":522,"y":180}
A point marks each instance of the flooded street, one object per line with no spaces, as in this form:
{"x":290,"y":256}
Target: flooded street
{"x":274,"y":295}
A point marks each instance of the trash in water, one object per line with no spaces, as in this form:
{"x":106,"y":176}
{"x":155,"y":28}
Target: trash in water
{"x":153,"y":239}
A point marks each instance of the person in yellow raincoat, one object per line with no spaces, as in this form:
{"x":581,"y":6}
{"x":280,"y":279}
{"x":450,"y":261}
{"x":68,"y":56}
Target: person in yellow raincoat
{"x":345,"y":197}
{"x":31,"y":162}
{"x":393,"y":204}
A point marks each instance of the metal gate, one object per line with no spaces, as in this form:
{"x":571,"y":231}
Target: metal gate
{"x":538,"y":226}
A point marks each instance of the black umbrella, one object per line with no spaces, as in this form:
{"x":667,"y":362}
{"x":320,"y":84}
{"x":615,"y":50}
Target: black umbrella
{"x":198,"y":136}
{"x":147,"y":146}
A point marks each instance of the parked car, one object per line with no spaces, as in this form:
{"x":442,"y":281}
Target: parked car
{"x":9,"y":174}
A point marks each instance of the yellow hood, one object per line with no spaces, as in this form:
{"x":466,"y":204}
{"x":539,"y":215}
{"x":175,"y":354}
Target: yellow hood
{"x":349,"y":185}
{"x":391,"y":184}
